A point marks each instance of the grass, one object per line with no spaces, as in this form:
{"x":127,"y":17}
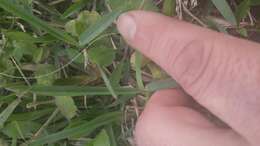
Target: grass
{"x":68,"y":78}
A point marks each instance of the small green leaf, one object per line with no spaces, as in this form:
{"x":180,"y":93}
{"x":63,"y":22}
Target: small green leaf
{"x":102,"y":139}
{"x":88,"y":18}
{"x":35,"y":21}
{"x":72,"y":53}
{"x":22,"y":48}
{"x":8,"y":111}
{"x":242,"y":10}
{"x":225,"y":10}
{"x":66,"y":106}
{"x":95,"y":30}
{"x":20,"y":36}
{"x":6,"y":65}
{"x":71,"y":27}
{"x":243,"y":32}
{"x":102,"y":56}
{"x":20,"y":129}
{"x":45,"y":75}
{"x":38,"y":55}
{"x":23,"y":44}
{"x":83,"y":22}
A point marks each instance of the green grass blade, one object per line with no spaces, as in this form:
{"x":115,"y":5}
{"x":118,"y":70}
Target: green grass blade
{"x":14,"y":142}
{"x":161,"y":84}
{"x":95,"y":30}
{"x":77,"y":6}
{"x":7,"y":98}
{"x":169,"y":7}
{"x":138,"y":70}
{"x":83,"y":129}
{"x":36,"y":22}
{"x":225,"y":10}
{"x":215,"y":25}
{"x":34,"y":115}
{"x":8,"y":111}
{"x":107,"y":82}
{"x":71,"y":90}
{"x":111,"y":135}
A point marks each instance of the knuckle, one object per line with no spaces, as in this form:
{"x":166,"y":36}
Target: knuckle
{"x":191,"y":65}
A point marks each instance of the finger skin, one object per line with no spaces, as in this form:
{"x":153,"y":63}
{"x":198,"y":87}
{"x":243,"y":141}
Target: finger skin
{"x":168,"y":121}
{"x":221,"y":72}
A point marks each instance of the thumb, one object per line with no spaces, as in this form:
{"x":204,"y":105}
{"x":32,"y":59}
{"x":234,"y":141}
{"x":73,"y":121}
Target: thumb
{"x":169,"y":121}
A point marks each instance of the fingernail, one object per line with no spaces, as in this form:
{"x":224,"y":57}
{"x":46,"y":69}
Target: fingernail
{"x":126,"y":26}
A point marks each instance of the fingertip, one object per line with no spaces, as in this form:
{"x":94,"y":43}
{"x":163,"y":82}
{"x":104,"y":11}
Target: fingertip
{"x":126,"y":25}
{"x":138,"y":28}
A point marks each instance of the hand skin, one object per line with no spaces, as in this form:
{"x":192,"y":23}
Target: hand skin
{"x":221,"y":72}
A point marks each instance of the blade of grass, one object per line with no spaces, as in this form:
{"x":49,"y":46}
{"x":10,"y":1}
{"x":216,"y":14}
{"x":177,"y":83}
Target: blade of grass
{"x":8,"y":111}
{"x":225,"y":10}
{"x":36,"y":22}
{"x":7,"y":98}
{"x":77,"y":6}
{"x":96,"y":29}
{"x":138,"y":70}
{"x":18,"y":128}
{"x":46,"y":123}
{"x":161,"y":84}
{"x":169,"y":7}
{"x":14,"y":142}
{"x":83,"y":129}
{"x":107,"y":82}
{"x":212,"y":23}
{"x":47,"y":8}
{"x":30,"y":115}
{"x":73,"y":90}
{"x":111,"y":135}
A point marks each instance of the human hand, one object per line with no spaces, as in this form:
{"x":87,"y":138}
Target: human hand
{"x":220,"y":72}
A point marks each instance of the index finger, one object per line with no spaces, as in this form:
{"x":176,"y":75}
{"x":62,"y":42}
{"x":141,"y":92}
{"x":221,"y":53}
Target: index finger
{"x":221,"y":72}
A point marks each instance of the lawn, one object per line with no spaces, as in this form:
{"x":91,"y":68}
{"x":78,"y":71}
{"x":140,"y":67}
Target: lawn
{"x":68,"y":78}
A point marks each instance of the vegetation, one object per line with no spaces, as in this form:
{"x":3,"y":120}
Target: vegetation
{"x":68,"y":78}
